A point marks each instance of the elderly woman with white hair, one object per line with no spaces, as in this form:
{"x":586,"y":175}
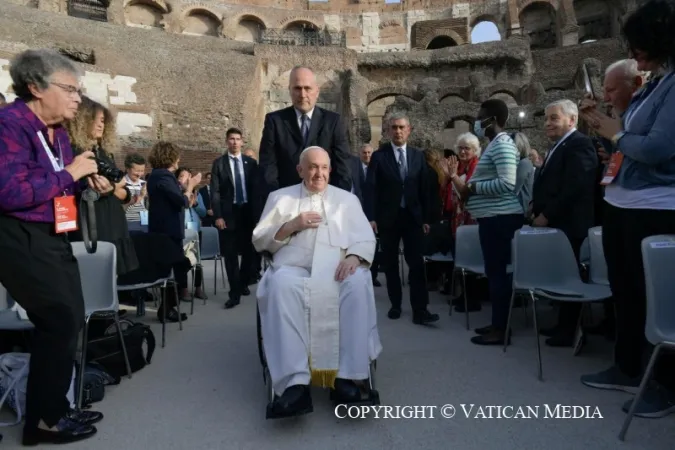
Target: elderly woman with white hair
{"x":467,"y":147}
{"x":38,"y":176}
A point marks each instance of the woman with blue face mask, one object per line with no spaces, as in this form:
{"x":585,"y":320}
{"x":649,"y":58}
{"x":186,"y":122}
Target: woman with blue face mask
{"x":491,"y":199}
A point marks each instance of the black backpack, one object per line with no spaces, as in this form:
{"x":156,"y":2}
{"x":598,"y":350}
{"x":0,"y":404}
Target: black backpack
{"x":104,"y":348}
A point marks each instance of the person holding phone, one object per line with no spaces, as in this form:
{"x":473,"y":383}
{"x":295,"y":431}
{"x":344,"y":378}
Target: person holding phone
{"x":640,"y":202}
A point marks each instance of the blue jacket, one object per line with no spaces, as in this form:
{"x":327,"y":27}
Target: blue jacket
{"x":648,"y":142}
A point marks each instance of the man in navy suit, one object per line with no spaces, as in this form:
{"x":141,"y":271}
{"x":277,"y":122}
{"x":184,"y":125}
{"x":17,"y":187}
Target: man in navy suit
{"x":396,"y":202}
{"x":287,"y":132}
{"x":359,"y":170}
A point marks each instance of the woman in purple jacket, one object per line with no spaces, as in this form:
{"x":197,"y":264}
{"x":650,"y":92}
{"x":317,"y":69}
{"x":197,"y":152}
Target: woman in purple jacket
{"x":38,"y":180}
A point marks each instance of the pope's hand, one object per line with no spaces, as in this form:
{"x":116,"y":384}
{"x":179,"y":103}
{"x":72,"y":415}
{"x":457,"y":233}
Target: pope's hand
{"x":309,"y":219}
{"x":347,"y":267}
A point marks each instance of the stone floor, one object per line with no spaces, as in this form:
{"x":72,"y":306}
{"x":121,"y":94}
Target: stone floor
{"x":205,"y":391}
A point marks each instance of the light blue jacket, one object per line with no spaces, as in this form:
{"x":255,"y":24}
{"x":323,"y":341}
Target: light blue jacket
{"x":648,"y":143}
{"x":193,"y":215}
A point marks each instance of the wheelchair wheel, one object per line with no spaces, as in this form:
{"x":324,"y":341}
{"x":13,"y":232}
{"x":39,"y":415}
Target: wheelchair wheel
{"x":261,"y":350}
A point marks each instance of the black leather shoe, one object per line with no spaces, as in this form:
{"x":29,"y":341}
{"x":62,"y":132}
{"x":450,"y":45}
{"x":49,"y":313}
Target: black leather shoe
{"x":231,"y":303}
{"x":171,"y":316}
{"x":345,"y":391}
{"x":424,"y":317}
{"x":246,"y":291}
{"x":376,"y":282}
{"x":494,"y":337}
{"x":394,"y":313}
{"x":483,"y":330}
{"x":85,"y":417}
{"x":296,"y":400}
{"x":67,"y":431}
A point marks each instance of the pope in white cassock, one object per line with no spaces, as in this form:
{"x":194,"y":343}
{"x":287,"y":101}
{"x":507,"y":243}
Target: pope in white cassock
{"x":316,"y":301}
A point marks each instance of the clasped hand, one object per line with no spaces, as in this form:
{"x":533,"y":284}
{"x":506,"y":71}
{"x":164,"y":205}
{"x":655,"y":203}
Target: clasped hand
{"x":306,"y":220}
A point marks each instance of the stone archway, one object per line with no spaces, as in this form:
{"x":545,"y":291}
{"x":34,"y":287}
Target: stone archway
{"x":249,"y":28}
{"x":201,"y":21}
{"x":144,"y":13}
{"x":441,"y":32}
{"x":539,"y":21}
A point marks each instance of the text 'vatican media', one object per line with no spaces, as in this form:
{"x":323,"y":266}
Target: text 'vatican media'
{"x":468,"y":411}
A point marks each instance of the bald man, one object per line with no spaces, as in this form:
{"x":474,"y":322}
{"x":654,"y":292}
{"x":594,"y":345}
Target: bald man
{"x":288,"y":131}
{"x":316,"y":301}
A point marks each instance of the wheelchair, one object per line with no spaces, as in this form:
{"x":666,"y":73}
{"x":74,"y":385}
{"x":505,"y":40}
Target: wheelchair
{"x":369,"y":395}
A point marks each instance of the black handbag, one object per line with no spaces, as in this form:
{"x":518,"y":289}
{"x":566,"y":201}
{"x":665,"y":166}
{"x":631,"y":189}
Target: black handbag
{"x":106,"y":350}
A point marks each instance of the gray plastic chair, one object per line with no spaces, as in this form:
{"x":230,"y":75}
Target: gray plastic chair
{"x":9,"y":318}
{"x":210,"y":250}
{"x":545,"y":267}
{"x":98,"y":275}
{"x":468,"y":259}
{"x":598,"y":263}
{"x":658,"y":256}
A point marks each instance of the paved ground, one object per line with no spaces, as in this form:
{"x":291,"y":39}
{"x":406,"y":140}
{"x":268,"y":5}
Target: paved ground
{"x":205,"y":391}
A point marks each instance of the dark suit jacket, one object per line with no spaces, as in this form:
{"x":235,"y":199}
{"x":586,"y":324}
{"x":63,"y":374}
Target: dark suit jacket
{"x":166,"y":212}
{"x":384,"y":187}
{"x":222,"y":192}
{"x":357,"y":175}
{"x":207,"y":221}
{"x":564,"y":188}
{"x":282,"y":143}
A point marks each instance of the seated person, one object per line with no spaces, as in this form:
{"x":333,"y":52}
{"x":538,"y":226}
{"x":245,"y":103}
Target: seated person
{"x":316,"y":301}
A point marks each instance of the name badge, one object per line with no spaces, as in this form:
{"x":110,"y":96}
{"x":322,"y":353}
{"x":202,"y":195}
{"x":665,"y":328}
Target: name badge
{"x":65,"y":214}
{"x":613,"y":168}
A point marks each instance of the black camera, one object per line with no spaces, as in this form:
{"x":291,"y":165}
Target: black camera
{"x":113,"y":174}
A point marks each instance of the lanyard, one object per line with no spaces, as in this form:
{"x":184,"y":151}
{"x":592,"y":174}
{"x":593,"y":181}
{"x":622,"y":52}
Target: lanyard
{"x":639,"y":103}
{"x":58,"y":165}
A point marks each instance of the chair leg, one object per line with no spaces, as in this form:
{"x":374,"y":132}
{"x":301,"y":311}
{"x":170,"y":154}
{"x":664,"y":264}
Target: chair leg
{"x":508,"y":320}
{"x":466,"y":299}
{"x":164,"y":314}
{"x":203,"y":285}
{"x":180,"y":317}
{"x":452,"y":289}
{"x":124,"y":346}
{"x":83,"y":359}
{"x":222,"y":272}
{"x":192,"y":282}
{"x":641,"y":391}
{"x":536,"y":334}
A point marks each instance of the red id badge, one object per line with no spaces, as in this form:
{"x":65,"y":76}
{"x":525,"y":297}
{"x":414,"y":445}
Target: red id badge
{"x":65,"y":214}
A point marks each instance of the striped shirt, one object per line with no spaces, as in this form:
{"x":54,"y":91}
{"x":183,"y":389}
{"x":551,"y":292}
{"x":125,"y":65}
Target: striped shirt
{"x":133,"y":210}
{"x":495,"y":180}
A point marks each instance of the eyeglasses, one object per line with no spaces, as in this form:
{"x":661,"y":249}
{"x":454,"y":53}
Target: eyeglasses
{"x":68,"y":88}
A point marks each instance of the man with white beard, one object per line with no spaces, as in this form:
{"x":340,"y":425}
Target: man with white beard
{"x":316,"y":301}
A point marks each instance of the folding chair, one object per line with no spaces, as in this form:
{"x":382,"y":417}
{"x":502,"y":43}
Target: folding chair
{"x":585,"y":254}
{"x":98,"y":274}
{"x":658,"y":256}
{"x":210,"y":250}
{"x":545,"y":267}
{"x":10,"y":317}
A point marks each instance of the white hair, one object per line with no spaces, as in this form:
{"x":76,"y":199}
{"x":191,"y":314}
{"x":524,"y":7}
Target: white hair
{"x":303,"y":155}
{"x":469,"y":139}
{"x":628,"y":68}
{"x":522,"y":143}
{"x":568,"y":107}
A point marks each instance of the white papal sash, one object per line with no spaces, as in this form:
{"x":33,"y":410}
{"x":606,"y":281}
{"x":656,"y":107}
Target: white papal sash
{"x":322,"y":294}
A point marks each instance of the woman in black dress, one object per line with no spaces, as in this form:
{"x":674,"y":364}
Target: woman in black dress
{"x":93,"y":128}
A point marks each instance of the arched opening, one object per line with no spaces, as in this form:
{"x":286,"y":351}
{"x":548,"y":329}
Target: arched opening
{"x":143,"y":14}
{"x":485,"y":31}
{"x":202,"y":23}
{"x":594,"y":18}
{"x":506,"y":98}
{"x":453,"y":129}
{"x":450,"y":99}
{"x":301,"y":26}
{"x":539,"y":22}
{"x":249,"y":29}
{"x":441,"y":42}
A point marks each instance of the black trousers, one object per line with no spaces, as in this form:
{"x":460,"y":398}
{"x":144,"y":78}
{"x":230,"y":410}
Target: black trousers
{"x":180,"y":274}
{"x":568,"y":314}
{"x":41,"y":274}
{"x":234,"y":242}
{"x":375,"y":266}
{"x":405,"y":228}
{"x":622,"y":233}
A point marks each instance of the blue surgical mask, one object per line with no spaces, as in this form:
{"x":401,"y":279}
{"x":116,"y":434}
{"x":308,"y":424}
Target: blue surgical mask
{"x":478,"y":129}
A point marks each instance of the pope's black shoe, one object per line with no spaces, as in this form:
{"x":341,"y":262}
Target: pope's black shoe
{"x":295,"y":401}
{"x":345,"y":391}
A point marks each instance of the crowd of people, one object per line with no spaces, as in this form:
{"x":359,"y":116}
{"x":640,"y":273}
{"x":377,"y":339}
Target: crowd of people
{"x":610,"y":163}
